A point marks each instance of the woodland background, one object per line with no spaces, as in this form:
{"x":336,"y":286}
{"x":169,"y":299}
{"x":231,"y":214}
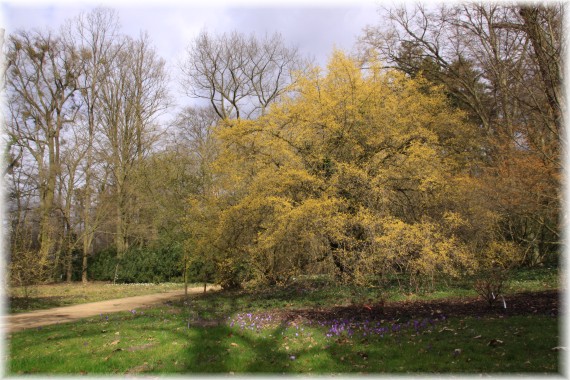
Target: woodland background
{"x":433,"y":151}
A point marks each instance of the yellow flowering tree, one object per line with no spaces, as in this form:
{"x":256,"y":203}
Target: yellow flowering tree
{"x":352,"y":172}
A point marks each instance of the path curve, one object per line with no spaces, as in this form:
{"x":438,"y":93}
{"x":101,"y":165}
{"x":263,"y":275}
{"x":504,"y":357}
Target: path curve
{"x":22,"y":321}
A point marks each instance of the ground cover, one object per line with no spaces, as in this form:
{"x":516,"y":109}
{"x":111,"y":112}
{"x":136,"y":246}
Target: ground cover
{"x":254,"y":332}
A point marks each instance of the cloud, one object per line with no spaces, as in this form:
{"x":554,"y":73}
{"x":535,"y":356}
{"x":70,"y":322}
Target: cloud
{"x":313,"y":27}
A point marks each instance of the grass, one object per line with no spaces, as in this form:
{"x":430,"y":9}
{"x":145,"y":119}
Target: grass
{"x":160,"y":340}
{"x":65,"y":294}
{"x":233,"y":333}
{"x":536,"y":279}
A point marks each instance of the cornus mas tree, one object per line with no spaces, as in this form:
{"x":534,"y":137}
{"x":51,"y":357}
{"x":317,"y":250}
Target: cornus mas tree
{"x":353,"y":172}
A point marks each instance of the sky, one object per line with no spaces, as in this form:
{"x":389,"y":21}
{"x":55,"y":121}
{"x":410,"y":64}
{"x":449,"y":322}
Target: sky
{"x":314,"y":26}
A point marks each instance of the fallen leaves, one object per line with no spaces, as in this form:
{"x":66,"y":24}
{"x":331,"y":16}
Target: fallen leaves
{"x":140,"y":368}
{"x":363,"y":355}
{"x":495,"y":342}
{"x":141,"y":347}
{"x":111,"y":354}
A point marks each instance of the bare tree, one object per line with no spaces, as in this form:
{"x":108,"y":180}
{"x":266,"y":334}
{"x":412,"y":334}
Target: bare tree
{"x":133,"y":95}
{"x":239,"y":76}
{"x":41,"y":82}
{"x":501,"y":63}
{"x":93,"y":33}
{"x":194,"y":137}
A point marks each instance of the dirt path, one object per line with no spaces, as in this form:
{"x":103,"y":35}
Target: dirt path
{"x":22,"y":321}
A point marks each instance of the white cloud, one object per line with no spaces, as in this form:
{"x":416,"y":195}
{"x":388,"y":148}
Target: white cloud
{"x":314,"y":26}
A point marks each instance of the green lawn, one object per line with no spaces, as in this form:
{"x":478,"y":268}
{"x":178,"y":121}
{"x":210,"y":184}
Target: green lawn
{"x":161,"y":341}
{"x":238,"y":332}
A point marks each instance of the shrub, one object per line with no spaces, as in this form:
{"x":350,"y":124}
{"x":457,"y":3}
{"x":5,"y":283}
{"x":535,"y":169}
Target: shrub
{"x":491,"y":285}
{"x":495,"y":266}
{"x":101,"y":265}
{"x":230,"y":273}
{"x":138,"y":265}
{"x":424,"y":252}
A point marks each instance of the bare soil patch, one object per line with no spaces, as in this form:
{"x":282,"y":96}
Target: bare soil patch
{"x":21,"y":321}
{"x":526,"y":303}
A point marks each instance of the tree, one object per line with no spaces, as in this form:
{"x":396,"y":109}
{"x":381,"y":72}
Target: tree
{"x":168,"y":178}
{"x":322,"y":177}
{"x":84,"y":105}
{"x":42,"y":82}
{"x":93,"y":33}
{"x":133,"y":94}
{"x":501,"y":64}
{"x":239,"y":76}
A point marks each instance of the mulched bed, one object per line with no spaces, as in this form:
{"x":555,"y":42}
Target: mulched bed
{"x":528,"y":303}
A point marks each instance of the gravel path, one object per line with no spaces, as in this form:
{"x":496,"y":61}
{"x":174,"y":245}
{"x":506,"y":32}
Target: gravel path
{"x":22,"y":321}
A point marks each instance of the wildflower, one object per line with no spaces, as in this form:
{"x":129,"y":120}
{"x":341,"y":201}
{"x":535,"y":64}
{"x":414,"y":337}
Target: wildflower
{"x":292,"y":357}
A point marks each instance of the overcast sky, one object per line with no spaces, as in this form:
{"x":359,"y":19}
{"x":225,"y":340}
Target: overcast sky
{"x":314,"y":26}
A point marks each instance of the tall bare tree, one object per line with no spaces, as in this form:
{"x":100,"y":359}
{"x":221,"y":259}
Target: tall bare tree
{"x":42,"y":82}
{"x":133,"y":94}
{"x":499,"y":62}
{"x":239,"y":75}
{"x":94,"y":34}
{"x":194,"y":139}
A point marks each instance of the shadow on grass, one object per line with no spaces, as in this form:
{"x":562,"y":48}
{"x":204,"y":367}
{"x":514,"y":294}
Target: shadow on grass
{"x":275,"y":350}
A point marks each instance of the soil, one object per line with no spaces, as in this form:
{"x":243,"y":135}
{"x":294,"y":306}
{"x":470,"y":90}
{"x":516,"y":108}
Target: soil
{"x":22,"y":321}
{"x":526,"y":303}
